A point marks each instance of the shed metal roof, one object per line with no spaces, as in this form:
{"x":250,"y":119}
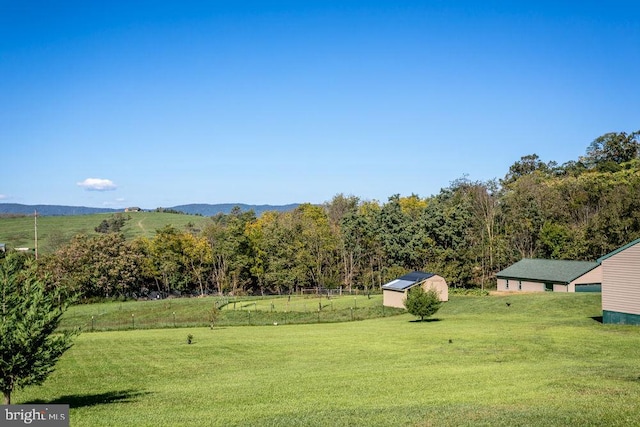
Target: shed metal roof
{"x":547,"y":270}
{"x":407,"y":281}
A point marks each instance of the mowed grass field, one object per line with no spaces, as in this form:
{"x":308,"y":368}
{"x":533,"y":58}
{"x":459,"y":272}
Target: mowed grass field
{"x":53,"y":230}
{"x":542,"y":360}
{"x":240,"y":311}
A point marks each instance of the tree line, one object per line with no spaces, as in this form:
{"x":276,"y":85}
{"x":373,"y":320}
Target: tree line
{"x":466,"y":233}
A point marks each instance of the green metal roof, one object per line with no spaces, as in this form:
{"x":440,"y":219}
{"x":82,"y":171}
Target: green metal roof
{"x":620,"y":249}
{"x":547,"y":270}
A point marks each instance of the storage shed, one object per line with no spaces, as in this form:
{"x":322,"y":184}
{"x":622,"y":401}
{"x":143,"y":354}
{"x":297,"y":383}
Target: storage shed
{"x":395,"y":292}
{"x":621,"y":285}
{"x":540,"y":275}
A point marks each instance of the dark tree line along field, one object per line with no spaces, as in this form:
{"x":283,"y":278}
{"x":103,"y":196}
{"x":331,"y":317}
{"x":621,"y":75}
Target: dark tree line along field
{"x":470,"y":230}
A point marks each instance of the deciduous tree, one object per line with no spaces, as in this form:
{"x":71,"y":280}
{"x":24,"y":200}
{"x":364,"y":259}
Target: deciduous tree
{"x":613,"y":147}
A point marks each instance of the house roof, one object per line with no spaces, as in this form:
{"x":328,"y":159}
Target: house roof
{"x":407,"y":281}
{"x":547,"y":270}
{"x":620,"y":249}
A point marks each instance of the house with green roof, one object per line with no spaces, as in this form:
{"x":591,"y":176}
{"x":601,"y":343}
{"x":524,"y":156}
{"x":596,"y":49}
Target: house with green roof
{"x":540,"y":275}
{"x":621,"y":285}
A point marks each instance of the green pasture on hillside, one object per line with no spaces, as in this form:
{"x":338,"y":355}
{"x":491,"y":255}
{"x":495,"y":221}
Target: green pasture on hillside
{"x":55,"y":230}
{"x":515,"y":360}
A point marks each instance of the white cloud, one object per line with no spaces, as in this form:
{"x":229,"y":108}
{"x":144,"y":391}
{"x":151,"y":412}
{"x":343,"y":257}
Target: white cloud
{"x":97,"y":184}
{"x":2,"y":196}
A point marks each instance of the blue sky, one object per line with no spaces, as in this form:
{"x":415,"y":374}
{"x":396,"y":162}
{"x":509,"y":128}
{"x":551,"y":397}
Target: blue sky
{"x":150,"y":103}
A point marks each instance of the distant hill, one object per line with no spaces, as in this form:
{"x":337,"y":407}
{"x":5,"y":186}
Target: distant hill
{"x":51,"y":210}
{"x":225,"y":208}
{"x":193,"y":209}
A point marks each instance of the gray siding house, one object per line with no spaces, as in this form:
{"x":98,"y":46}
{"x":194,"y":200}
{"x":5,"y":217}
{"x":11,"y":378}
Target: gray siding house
{"x":395,"y":292}
{"x":621,"y":285}
{"x":540,"y":275}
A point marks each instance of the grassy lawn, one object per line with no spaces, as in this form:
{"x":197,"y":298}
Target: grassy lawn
{"x":542,"y":360}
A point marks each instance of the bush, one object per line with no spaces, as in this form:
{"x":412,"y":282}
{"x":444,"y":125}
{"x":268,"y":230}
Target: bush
{"x":422,"y":303}
{"x":469,"y":291}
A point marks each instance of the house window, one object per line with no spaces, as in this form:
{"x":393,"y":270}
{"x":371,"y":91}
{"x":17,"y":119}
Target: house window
{"x":548,"y":287}
{"x":519,"y":285}
{"x":506,"y":286}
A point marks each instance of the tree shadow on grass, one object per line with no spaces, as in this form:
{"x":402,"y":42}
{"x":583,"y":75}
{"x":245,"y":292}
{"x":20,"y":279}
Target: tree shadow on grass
{"x":83,"y":400}
{"x":428,"y":320}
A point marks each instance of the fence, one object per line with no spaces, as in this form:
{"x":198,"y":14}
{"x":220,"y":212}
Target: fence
{"x":251,"y":314}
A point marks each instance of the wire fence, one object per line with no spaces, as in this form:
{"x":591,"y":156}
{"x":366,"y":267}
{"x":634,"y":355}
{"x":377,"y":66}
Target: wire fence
{"x":226,"y":311}
{"x":245,"y":314}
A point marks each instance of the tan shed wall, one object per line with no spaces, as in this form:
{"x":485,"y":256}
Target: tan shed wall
{"x":393,"y":298}
{"x":524,"y":286}
{"x":532,"y":286}
{"x":396,"y":298}
{"x":591,"y":277}
{"x":439,"y":284}
{"x":621,"y":281}
{"x":502,"y":285}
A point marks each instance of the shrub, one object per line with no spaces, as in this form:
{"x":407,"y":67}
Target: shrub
{"x":422,"y":303}
{"x":469,"y":291}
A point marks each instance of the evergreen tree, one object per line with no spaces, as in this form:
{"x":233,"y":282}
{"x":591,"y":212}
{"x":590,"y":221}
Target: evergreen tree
{"x":422,"y":303}
{"x":29,"y":316}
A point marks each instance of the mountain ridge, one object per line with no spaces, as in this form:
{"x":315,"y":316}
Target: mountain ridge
{"x":204,"y":209}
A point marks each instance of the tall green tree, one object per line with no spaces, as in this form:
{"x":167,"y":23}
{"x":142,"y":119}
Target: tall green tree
{"x":198,"y":257}
{"x":97,"y":265}
{"x":29,"y":315}
{"x":317,"y":246}
{"x":338,"y":210}
{"x":397,"y":232}
{"x":232,"y":250}
{"x":445,"y":226}
{"x":525,"y":204}
{"x":278,"y":248}
{"x":525,"y":166}
{"x":613,"y":148}
{"x":484,"y":228}
{"x":166,"y":251}
{"x":363,"y":245}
